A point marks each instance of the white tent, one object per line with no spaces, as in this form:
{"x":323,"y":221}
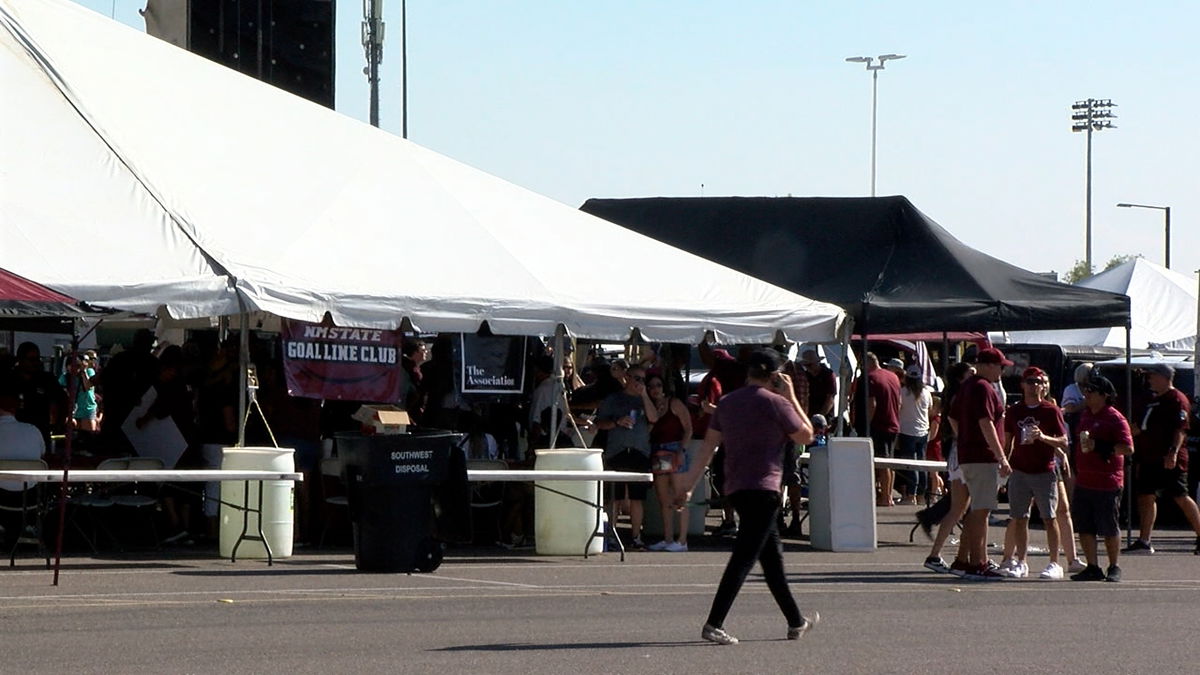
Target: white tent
{"x":137,"y":175}
{"x":1162,"y":304}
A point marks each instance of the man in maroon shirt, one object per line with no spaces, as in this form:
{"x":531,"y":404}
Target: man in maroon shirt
{"x":980,"y":416}
{"x":1035,"y":433}
{"x":1104,"y":440}
{"x":883,"y":411}
{"x":1161,"y":457}
{"x":822,"y":384}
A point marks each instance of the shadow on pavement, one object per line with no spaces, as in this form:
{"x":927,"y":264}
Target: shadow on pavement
{"x":521,"y":647}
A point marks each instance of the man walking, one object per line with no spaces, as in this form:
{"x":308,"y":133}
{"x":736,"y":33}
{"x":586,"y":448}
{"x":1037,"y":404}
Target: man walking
{"x":754,"y":423}
{"x":980,"y":417}
{"x":1161,"y":456}
{"x":1035,"y":432}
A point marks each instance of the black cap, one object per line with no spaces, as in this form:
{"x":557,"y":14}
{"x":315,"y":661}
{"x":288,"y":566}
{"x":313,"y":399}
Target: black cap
{"x":1101,"y":385}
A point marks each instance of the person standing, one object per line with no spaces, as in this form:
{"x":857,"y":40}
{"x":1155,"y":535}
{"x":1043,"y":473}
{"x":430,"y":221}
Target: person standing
{"x":1160,"y":457}
{"x":1035,"y":433}
{"x":1104,"y":440}
{"x":822,"y":384}
{"x":669,"y":462}
{"x":915,"y":401}
{"x":627,"y":416}
{"x":754,"y":424}
{"x":43,"y":403}
{"x":883,"y":411}
{"x":980,"y":418}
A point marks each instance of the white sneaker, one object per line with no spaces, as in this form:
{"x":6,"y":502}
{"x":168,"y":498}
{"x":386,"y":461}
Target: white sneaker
{"x":1009,"y":567}
{"x":663,"y":545}
{"x":1052,"y":571}
{"x":1021,"y":570}
{"x":1076,"y":565}
{"x":676,"y":547}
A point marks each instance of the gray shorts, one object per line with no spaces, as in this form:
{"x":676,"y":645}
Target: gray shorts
{"x":983,"y":483}
{"x":1024,"y":488}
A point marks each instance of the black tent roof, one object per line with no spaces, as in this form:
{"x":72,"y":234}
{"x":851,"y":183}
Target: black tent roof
{"x":887,"y":264}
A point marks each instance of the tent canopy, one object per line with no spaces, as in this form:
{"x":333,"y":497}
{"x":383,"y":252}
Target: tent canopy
{"x":1162,"y":304}
{"x":892,"y":268}
{"x":186,"y":185}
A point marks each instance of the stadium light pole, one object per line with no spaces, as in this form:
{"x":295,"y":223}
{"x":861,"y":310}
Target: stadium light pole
{"x":874,"y":68}
{"x":1166,"y":227}
{"x":372,"y":41}
{"x":1091,"y":115}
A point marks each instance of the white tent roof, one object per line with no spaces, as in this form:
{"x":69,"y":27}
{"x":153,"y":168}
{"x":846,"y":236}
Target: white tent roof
{"x":1162,"y":303}
{"x":137,"y":175}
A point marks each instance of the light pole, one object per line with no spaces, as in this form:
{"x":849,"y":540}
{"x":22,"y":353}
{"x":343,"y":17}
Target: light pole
{"x":1091,"y":115}
{"x":874,"y":68}
{"x":372,"y":41}
{"x":1166,"y":227}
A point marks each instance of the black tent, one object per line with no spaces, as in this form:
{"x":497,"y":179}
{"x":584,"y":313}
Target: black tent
{"x":891,"y":267}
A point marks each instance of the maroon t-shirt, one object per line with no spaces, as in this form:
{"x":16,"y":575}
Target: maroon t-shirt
{"x":820,"y":387}
{"x":710,"y":390}
{"x":884,"y":387}
{"x":1165,"y":416}
{"x":755,"y":426}
{"x":1036,"y":457}
{"x":1092,"y":471}
{"x":977,"y":400}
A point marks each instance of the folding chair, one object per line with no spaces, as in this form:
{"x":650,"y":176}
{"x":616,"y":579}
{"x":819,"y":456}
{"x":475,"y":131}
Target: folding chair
{"x":129,"y":495}
{"x":30,"y":508}
{"x":333,"y":495}
{"x":487,"y":495}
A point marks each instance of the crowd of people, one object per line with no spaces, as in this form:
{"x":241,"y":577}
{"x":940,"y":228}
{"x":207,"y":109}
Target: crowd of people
{"x":1069,"y":460}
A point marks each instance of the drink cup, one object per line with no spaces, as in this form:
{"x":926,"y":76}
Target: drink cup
{"x":1085,"y":441}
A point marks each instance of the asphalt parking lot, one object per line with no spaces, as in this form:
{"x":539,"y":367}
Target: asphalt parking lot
{"x":491,"y":611}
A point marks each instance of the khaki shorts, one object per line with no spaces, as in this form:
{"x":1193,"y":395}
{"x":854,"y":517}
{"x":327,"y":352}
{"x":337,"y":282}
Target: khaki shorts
{"x":983,"y":484}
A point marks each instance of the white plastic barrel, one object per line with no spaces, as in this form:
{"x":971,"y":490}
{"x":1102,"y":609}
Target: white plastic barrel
{"x":277,"y":506}
{"x":564,"y":526}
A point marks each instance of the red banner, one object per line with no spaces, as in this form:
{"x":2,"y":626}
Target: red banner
{"x":335,"y":363}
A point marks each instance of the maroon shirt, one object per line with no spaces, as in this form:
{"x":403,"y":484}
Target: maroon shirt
{"x":1165,"y":416}
{"x":710,"y":390}
{"x":1092,"y":471}
{"x":884,"y":387}
{"x":1036,"y":457}
{"x":820,"y":387}
{"x":755,"y":426}
{"x":977,"y":400}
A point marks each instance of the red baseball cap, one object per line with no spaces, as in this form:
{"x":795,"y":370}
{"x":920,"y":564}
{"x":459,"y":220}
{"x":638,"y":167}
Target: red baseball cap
{"x":992,"y":355}
{"x":1033,"y":371}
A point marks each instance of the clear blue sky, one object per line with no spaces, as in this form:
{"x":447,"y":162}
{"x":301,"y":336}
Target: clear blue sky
{"x":627,"y":98}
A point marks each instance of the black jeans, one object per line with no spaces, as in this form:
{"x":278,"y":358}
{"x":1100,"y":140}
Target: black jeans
{"x":757,"y":539}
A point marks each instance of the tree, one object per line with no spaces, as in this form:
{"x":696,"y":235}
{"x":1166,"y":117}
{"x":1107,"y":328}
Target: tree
{"x":1078,"y":272}
{"x":1120,"y":260}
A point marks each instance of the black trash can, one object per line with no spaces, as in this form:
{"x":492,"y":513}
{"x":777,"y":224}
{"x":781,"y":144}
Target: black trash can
{"x":397,"y":487}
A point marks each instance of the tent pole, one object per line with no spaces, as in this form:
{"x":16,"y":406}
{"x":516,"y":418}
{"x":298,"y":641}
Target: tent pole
{"x":243,"y":368}
{"x":1128,"y":416}
{"x":560,"y":332}
{"x":845,"y":375}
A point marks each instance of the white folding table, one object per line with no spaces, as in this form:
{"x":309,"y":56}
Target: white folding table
{"x":599,"y":477}
{"x":170,"y":476}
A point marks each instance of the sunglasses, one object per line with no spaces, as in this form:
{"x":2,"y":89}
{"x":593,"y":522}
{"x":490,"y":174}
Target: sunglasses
{"x":635,"y":378}
{"x":1034,"y":380}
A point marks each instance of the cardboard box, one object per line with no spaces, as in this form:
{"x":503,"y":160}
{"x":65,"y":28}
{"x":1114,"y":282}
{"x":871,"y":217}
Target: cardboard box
{"x":382,"y":419}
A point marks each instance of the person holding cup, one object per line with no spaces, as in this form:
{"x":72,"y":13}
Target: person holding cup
{"x":1035,"y":433}
{"x":1104,"y":441}
{"x":627,"y":416}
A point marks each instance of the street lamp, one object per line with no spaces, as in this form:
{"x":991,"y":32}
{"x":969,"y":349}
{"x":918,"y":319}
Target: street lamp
{"x":1166,"y":227}
{"x":1091,"y":115}
{"x":874,"y":68}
